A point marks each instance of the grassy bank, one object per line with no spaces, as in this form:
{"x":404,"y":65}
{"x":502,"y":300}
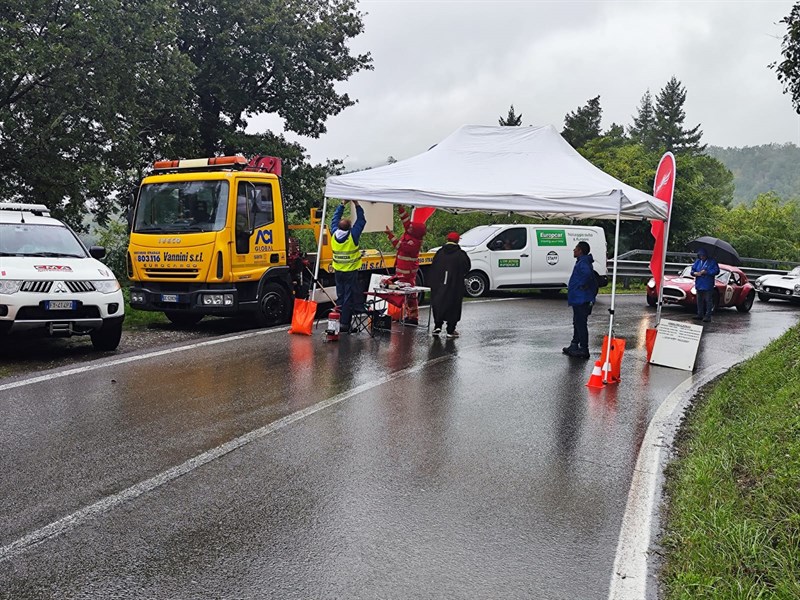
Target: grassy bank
{"x":139,"y":319}
{"x":733,"y":517}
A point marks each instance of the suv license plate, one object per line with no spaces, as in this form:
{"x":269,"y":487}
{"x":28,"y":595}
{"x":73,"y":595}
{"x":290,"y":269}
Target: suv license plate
{"x":169,"y":297}
{"x":60,"y":305}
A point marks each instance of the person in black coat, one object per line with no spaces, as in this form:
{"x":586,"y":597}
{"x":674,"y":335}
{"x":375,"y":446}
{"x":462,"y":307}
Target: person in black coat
{"x":449,"y":268}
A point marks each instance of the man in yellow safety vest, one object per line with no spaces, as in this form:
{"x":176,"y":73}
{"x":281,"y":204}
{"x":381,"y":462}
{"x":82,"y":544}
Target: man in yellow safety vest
{"x":347,"y":261}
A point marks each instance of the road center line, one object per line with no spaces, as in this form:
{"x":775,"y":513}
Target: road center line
{"x":104,"y":505}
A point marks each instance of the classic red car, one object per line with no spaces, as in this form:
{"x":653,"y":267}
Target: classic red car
{"x":732,"y":288}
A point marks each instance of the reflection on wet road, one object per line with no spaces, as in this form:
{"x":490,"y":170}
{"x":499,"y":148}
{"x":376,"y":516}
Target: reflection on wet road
{"x":402,"y":466}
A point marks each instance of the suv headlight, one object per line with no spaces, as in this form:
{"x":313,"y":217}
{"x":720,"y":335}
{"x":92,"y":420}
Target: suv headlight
{"x":10,"y":286}
{"x":106,"y":286}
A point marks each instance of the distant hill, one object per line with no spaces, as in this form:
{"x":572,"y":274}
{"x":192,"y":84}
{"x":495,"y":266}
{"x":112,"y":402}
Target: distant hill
{"x":760,"y":169}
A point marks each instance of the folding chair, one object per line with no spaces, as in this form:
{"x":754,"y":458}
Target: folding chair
{"x":365,"y":315}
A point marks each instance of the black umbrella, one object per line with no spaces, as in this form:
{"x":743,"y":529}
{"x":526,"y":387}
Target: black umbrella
{"x":718,"y":249}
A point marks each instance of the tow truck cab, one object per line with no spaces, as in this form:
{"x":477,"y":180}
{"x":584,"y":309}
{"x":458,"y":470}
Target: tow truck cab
{"x":209,"y":237}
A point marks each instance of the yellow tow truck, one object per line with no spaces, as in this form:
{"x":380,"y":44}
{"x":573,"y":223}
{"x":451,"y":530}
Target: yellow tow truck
{"x":209,"y":237}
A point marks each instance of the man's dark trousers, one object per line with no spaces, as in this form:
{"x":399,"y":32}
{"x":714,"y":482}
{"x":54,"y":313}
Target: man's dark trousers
{"x":348,"y":294}
{"x":580,"y":326}
{"x":705,"y":303}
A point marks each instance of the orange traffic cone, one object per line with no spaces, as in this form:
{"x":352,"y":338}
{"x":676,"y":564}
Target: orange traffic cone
{"x":596,"y":380}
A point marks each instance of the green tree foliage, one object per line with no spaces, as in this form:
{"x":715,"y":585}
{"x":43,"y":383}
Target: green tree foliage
{"x":583,"y":124}
{"x":512,"y":119}
{"x":91,"y":92}
{"x":770,"y":228}
{"x":760,"y":169}
{"x":644,"y":123}
{"x":267,"y":57}
{"x":703,"y":188}
{"x":670,"y":133}
{"x":114,"y":238}
{"x":788,"y":70}
{"x":78,"y":98}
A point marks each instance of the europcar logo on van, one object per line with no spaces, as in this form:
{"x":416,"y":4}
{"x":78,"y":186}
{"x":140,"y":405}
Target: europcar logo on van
{"x":551,"y":237}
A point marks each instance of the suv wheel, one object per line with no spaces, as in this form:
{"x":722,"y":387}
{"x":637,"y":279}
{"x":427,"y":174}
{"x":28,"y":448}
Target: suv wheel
{"x":107,"y":337}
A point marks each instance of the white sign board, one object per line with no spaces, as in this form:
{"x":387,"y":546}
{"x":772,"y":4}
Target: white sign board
{"x":379,"y":215}
{"x":676,"y":345}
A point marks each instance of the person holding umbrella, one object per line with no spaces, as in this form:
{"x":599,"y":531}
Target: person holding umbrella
{"x":704,"y":271}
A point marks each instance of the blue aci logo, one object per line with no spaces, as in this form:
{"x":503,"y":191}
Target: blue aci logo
{"x":264,"y":236}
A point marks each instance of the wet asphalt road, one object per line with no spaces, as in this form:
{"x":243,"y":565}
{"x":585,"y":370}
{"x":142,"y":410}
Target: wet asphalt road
{"x":266,"y":465}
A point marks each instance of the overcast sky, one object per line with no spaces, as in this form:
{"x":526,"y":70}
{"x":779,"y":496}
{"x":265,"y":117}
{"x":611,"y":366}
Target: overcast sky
{"x":443,"y":64}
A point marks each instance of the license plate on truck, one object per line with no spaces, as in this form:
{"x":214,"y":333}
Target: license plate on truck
{"x":59,"y":305}
{"x":170,"y":298}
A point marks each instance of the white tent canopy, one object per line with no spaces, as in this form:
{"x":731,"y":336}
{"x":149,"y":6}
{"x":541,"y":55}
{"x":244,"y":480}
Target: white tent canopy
{"x":530,"y":171}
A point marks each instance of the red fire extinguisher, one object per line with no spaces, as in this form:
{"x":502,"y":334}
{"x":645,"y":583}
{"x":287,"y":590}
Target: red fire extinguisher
{"x":332,"y":331}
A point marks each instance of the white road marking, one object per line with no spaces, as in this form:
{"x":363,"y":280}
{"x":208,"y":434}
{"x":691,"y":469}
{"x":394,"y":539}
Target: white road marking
{"x":109,"y":502}
{"x":629,"y":578}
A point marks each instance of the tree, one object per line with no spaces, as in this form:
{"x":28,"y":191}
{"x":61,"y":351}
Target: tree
{"x":769,"y":228}
{"x":90,"y":92}
{"x":788,"y":70}
{"x":669,"y":133}
{"x":583,"y":124}
{"x":268,"y":57}
{"x":703,"y":190}
{"x":644,"y":123}
{"x":512,"y":119}
{"x":78,"y":98}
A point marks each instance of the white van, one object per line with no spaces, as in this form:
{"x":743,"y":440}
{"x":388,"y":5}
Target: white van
{"x":527,"y":256}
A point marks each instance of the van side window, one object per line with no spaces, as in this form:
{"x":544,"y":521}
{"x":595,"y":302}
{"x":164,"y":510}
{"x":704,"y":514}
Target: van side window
{"x":515,"y":238}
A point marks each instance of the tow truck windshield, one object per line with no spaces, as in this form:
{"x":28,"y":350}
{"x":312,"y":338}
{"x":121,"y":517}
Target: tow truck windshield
{"x":181,"y":207}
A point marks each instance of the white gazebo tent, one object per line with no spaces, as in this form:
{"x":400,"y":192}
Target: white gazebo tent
{"x":531,"y":171}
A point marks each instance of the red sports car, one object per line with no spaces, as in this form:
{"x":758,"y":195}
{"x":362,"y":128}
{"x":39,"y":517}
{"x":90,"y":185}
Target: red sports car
{"x":732,"y":288}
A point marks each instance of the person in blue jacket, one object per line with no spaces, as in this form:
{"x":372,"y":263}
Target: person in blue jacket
{"x":347,"y":261}
{"x":581,"y":294}
{"x":704,"y":270}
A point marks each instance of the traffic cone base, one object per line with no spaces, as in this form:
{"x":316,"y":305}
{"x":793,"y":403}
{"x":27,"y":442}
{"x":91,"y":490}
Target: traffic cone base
{"x":596,"y":380}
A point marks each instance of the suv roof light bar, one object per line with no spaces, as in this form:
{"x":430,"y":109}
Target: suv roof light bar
{"x":37,"y":209}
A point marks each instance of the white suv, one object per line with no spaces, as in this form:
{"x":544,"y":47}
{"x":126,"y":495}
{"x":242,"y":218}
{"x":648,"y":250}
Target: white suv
{"x":49,"y":280}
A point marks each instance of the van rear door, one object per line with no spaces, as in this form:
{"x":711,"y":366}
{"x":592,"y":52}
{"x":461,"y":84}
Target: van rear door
{"x":552,"y":255}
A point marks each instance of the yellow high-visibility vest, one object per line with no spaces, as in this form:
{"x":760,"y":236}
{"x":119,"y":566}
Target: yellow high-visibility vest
{"x":346,"y":254}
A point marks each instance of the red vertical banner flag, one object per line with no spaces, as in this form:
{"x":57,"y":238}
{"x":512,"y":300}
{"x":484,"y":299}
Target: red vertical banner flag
{"x":663,"y":187}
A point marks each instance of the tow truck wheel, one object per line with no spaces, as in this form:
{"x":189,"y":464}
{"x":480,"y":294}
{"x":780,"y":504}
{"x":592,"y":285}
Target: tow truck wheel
{"x":273,"y":305}
{"x":182,"y":319}
{"x":108,"y":335}
{"x":477,"y":284}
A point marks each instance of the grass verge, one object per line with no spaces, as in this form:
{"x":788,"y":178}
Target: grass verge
{"x":732,"y":527}
{"x":139,"y":319}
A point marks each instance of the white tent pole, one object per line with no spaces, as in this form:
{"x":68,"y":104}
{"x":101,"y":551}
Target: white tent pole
{"x":319,"y":247}
{"x":607,"y":365}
